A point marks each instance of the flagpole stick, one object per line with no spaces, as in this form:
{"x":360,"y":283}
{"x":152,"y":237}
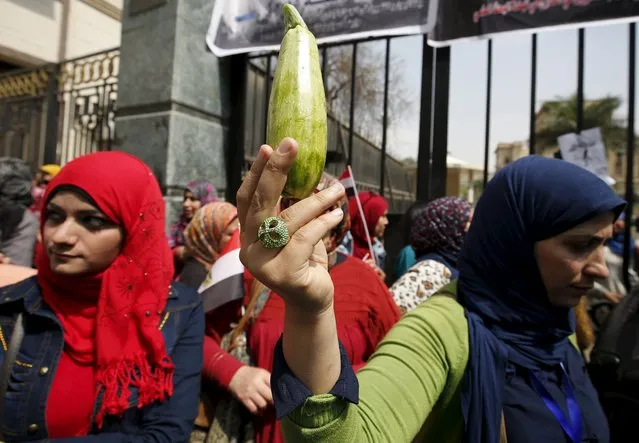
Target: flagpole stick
{"x":361,"y":214}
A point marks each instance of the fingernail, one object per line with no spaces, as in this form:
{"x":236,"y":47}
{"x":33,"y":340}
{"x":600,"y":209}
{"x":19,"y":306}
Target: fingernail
{"x":337,"y":188}
{"x":284,"y":148}
{"x":337,"y":213}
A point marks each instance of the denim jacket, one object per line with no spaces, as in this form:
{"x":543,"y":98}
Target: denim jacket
{"x":25,"y":402}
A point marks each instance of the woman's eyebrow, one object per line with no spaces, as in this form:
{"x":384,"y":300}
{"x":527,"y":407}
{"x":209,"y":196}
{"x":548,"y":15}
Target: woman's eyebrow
{"x":81,"y":212}
{"x":92,"y":212}
{"x":588,"y":237}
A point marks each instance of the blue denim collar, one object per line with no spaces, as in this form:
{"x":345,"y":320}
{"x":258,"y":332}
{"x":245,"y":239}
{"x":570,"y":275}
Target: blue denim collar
{"x":26,"y":290}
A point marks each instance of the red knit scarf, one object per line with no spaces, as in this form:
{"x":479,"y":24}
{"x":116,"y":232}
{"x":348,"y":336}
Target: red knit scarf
{"x":112,"y":319}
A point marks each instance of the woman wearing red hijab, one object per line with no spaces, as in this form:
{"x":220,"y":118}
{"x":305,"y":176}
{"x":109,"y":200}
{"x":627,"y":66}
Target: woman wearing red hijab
{"x":375,"y":208}
{"x":112,"y":350}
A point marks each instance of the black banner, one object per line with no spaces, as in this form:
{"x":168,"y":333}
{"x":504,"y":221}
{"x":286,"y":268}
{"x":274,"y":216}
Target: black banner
{"x":461,"y":19}
{"x":239,"y":26}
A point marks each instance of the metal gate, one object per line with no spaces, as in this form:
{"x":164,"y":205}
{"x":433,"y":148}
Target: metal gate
{"x":375,"y":168}
{"x":23,"y":110}
{"x":54,"y":113}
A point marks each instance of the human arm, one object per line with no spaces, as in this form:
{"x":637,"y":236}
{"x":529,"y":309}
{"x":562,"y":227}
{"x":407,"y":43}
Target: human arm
{"x":298,"y":271}
{"x":420,"y":362}
{"x":250,"y":385}
{"x":11,"y":274}
{"x":170,"y":421}
{"x":219,"y":365}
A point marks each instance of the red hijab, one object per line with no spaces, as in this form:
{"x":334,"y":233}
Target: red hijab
{"x":111,"y":319}
{"x":374,"y":207}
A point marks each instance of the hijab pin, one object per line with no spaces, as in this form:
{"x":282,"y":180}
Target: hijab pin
{"x":147,"y":313}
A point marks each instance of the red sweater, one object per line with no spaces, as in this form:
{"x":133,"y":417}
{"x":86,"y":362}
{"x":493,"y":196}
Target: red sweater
{"x":364,"y":310}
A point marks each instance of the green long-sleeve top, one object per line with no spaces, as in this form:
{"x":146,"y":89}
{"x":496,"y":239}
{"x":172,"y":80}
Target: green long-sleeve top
{"x":409,"y":389}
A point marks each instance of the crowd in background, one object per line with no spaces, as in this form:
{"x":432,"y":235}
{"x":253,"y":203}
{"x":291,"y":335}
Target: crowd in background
{"x":110,"y":313}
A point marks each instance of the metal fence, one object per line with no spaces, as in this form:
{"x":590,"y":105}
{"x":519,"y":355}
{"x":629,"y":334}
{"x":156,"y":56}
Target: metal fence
{"x":374,"y":168}
{"x":54,"y":113}
{"x":625,"y":152}
{"x":24,"y":106}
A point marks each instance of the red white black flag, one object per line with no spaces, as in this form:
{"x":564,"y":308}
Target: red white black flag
{"x":225,"y":281}
{"x":347,"y":180}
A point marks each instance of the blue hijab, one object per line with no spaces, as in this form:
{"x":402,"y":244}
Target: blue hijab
{"x":510,"y":317}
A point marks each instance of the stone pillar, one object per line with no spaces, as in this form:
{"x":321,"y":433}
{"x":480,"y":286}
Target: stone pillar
{"x":173,"y":95}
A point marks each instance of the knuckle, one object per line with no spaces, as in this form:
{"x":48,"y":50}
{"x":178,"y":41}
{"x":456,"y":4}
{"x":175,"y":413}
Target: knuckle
{"x":322,"y":199}
{"x":288,"y":215}
{"x":272,"y":166}
{"x":324,"y":223}
{"x":259,"y":202}
{"x":301,"y":238}
{"x":241,"y":197}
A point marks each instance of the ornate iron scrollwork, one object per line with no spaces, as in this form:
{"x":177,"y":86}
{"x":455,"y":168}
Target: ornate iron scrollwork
{"x":79,"y":107}
{"x":30,"y":83}
{"x":87,"y":94}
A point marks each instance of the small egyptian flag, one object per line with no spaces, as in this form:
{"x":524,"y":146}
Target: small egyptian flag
{"x":346,"y":179}
{"x":225,"y":281}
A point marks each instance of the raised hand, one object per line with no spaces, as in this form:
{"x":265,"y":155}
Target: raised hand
{"x":297,"y":271}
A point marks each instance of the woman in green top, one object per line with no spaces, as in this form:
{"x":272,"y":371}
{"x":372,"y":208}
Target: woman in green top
{"x":489,"y":357}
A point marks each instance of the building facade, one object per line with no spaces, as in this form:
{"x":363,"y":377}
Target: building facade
{"x":37,"y":32}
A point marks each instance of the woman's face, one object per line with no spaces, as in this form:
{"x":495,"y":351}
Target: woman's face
{"x":380,"y":227}
{"x":571,"y":261}
{"x":79,"y":239}
{"x":228,"y":233}
{"x":190,"y":205}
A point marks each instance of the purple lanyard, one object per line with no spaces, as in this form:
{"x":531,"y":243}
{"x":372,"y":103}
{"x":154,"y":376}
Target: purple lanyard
{"x":572,"y":428}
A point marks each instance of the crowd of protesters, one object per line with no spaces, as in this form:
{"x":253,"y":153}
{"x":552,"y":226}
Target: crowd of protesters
{"x":108,"y":334}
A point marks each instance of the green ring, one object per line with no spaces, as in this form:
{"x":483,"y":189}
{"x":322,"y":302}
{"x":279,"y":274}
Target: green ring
{"x":273,"y":233}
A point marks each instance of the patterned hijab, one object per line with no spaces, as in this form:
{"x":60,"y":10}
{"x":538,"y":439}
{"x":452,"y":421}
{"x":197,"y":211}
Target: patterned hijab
{"x":203,"y":236}
{"x":203,"y":191}
{"x":440,"y":227}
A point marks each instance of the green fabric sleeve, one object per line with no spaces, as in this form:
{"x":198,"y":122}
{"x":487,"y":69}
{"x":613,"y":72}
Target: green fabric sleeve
{"x":420,"y":362}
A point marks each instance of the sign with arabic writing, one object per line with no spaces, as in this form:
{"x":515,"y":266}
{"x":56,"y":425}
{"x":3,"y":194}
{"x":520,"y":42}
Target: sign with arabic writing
{"x":464,"y":19}
{"x":587,"y":150}
{"x":239,"y":26}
